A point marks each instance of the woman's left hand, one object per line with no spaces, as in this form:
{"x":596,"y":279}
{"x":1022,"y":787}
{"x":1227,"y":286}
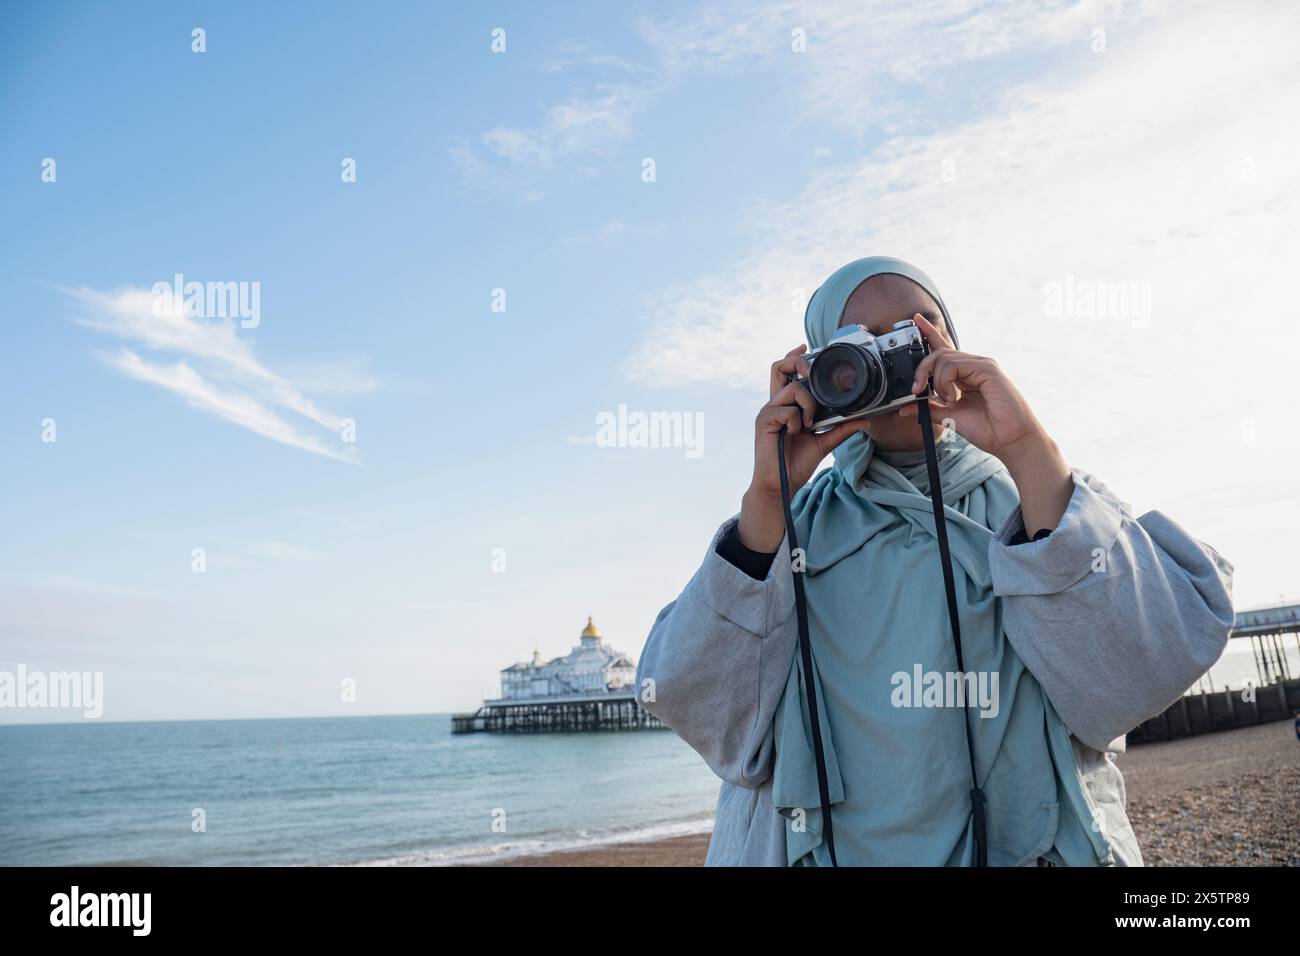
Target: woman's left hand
{"x":974,"y":397}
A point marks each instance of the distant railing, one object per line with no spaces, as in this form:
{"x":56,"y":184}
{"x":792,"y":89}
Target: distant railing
{"x":593,"y":712}
{"x":618,"y":693}
{"x":1278,"y":619}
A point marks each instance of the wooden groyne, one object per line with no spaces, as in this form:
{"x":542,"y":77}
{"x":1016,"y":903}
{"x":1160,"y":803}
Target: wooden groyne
{"x":1201,"y":713}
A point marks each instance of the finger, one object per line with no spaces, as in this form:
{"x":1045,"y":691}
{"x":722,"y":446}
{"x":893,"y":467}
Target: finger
{"x":945,"y":377}
{"x":928,"y":367}
{"x":924,"y":371}
{"x":797,"y":394}
{"x":935,"y":337}
{"x":783,"y":368}
{"x":772,"y":418}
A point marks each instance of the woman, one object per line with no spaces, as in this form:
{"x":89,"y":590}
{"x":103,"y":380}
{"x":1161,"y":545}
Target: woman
{"x":1080,"y":619}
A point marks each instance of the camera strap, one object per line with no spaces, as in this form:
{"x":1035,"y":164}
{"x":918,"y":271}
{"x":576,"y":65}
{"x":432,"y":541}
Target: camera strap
{"x":805,"y":644}
{"x":954,"y":619}
{"x":805,"y":653}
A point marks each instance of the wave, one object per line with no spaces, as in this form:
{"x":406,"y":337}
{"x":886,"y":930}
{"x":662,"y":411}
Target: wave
{"x":536,"y":846}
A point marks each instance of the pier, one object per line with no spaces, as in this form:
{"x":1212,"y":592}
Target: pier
{"x":590,"y":688}
{"x":1205,"y":708}
{"x":609,"y":711}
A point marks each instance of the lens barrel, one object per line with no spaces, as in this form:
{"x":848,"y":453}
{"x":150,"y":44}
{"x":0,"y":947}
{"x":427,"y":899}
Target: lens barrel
{"x":845,"y":378}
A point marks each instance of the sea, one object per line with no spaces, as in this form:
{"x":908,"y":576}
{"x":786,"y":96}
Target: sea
{"x":352,"y":791}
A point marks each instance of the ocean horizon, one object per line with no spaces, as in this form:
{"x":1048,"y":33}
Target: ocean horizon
{"x":314,"y":791}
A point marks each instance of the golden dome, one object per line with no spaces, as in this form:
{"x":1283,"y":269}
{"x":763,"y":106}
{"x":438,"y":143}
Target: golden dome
{"x":591,"y":630}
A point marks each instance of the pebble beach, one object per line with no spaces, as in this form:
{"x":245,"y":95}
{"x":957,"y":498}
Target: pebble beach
{"x":1224,"y":799}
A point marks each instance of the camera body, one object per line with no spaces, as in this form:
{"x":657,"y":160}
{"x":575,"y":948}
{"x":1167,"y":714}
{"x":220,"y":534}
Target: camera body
{"x":858,"y":375}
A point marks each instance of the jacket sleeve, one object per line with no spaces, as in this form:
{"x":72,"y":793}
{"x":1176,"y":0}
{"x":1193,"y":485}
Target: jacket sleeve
{"x":1115,"y":616}
{"x":716,"y":663}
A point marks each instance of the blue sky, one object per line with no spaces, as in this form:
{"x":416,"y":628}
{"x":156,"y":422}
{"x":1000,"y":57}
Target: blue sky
{"x":1007,"y":148}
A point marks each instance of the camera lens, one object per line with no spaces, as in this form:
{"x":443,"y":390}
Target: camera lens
{"x":845,"y":378}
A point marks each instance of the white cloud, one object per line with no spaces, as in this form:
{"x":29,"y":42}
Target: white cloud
{"x":860,"y":56}
{"x":860,"y":61}
{"x":230,"y":382}
{"x":349,"y":376}
{"x":580,"y":125}
{"x":574,"y":54}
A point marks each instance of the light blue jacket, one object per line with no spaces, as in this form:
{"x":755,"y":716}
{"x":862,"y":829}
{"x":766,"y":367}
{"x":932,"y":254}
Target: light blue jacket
{"x":1108,"y":649}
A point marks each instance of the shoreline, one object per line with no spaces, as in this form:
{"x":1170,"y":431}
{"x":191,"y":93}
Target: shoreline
{"x":687,"y":850}
{"x":1222,"y":799}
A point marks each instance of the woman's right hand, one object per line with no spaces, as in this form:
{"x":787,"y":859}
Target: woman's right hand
{"x":791,"y":407}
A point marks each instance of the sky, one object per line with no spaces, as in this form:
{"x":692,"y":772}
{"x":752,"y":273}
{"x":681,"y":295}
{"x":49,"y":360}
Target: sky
{"x":477,"y":232}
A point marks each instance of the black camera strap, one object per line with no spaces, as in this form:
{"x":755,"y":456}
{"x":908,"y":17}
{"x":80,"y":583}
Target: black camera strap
{"x":805,"y":653}
{"x":805,"y":644}
{"x":954,"y":619}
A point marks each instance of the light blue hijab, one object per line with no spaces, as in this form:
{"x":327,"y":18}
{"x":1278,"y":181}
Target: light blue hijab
{"x":899,"y":775}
